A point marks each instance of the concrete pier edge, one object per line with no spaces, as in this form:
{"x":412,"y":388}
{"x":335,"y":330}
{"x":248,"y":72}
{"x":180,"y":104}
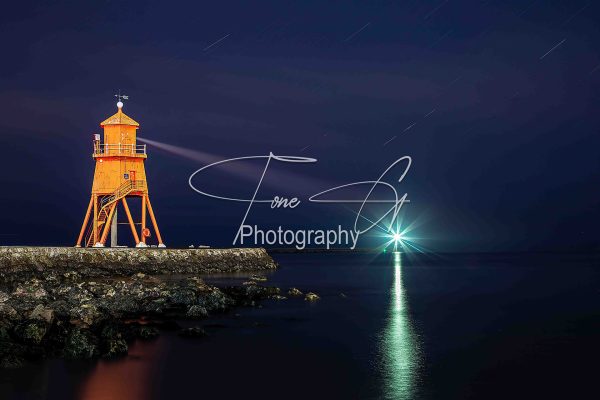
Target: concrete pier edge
{"x":94,"y":262}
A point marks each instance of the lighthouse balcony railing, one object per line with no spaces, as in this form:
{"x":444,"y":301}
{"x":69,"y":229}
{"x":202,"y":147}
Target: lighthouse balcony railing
{"x":117,"y":149}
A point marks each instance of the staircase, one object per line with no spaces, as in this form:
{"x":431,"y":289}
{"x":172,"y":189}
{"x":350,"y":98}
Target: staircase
{"x":102,"y":217}
{"x":105,"y":207}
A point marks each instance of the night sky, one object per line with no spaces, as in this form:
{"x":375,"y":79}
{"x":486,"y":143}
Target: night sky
{"x":495,"y":101}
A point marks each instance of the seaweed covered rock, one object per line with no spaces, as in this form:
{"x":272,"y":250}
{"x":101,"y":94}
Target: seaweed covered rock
{"x":147,"y":332}
{"x":113,"y":348}
{"x":31,"y":332}
{"x":81,"y":344}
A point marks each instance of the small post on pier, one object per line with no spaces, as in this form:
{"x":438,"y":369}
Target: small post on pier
{"x":113,"y":229}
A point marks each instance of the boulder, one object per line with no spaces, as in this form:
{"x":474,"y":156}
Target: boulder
{"x":80,"y":344}
{"x":30,"y":290}
{"x":196,"y":311}
{"x":114,"y":348}
{"x":87,"y":314}
{"x":294,"y":292}
{"x":8,"y":312}
{"x":310,"y":296}
{"x":42,"y":314}
{"x":147,"y":332}
{"x":3,"y":297}
{"x":258,"y":278}
{"x":182,"y":297}
{"x":31,"y":332}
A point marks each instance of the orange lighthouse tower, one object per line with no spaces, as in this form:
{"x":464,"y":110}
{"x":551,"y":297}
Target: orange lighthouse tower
{"x":119,"y":175}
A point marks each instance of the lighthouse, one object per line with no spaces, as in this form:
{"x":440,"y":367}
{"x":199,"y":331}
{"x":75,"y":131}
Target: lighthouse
{"x":119,"y":175}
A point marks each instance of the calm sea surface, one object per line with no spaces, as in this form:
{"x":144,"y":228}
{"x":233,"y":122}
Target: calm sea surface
{"x":392,"y":326}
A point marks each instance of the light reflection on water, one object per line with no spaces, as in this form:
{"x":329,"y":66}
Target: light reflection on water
{"x":132,"y":377}
{"x":399,"y":344}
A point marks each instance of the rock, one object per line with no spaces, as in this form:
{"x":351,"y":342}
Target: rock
{"x":57,"y":337}
{"x":194,"y":332}
{"x":147,"y":332}
{"x":198,"y":284}
{"x":112,"y":331}
{"x":342,"y":295}
{"x":31,"y":332}
{"x":11,"y":361}
{"x":216,"y":300}
{"x":5,"y":328}
{"x":30,"y":290}
{"x":114,"y":348}
{"x":196,"y":311}
{"x":86,"y":313}
{"x":43,"y":314}
{"x":71,"y":276}
{"x":180,"y":296}
{"x":80,"y":344}
{"x":258,"y":278}
{"x":47,"y":309}
{"x":3,"y":297}
{"x":23,"y":351}
{"x":7,"y":312}
{"x":294,"y":292}
{"x":310,"y":296}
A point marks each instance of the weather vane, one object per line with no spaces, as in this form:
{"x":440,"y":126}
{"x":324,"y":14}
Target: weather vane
{"x":120,"y":97}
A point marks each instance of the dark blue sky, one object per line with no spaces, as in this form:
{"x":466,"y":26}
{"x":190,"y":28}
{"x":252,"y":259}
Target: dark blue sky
{"x":507,"y":160}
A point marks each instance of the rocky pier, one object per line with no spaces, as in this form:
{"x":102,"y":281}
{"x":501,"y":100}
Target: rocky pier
{"x":82,"y":303}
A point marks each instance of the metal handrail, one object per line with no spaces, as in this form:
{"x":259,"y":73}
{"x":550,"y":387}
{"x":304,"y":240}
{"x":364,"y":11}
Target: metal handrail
{"x":122,"y":191}
{"x":118,"y":148}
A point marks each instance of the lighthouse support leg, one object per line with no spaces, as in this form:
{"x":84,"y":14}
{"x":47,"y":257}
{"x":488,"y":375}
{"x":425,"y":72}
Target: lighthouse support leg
{"x":154,"y":224}
{"x":142,"y":242}
{"x":85,"y":222}
{"x":95,"y":222}
{"x":111,"y":213}
{"x":131,"y":224}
